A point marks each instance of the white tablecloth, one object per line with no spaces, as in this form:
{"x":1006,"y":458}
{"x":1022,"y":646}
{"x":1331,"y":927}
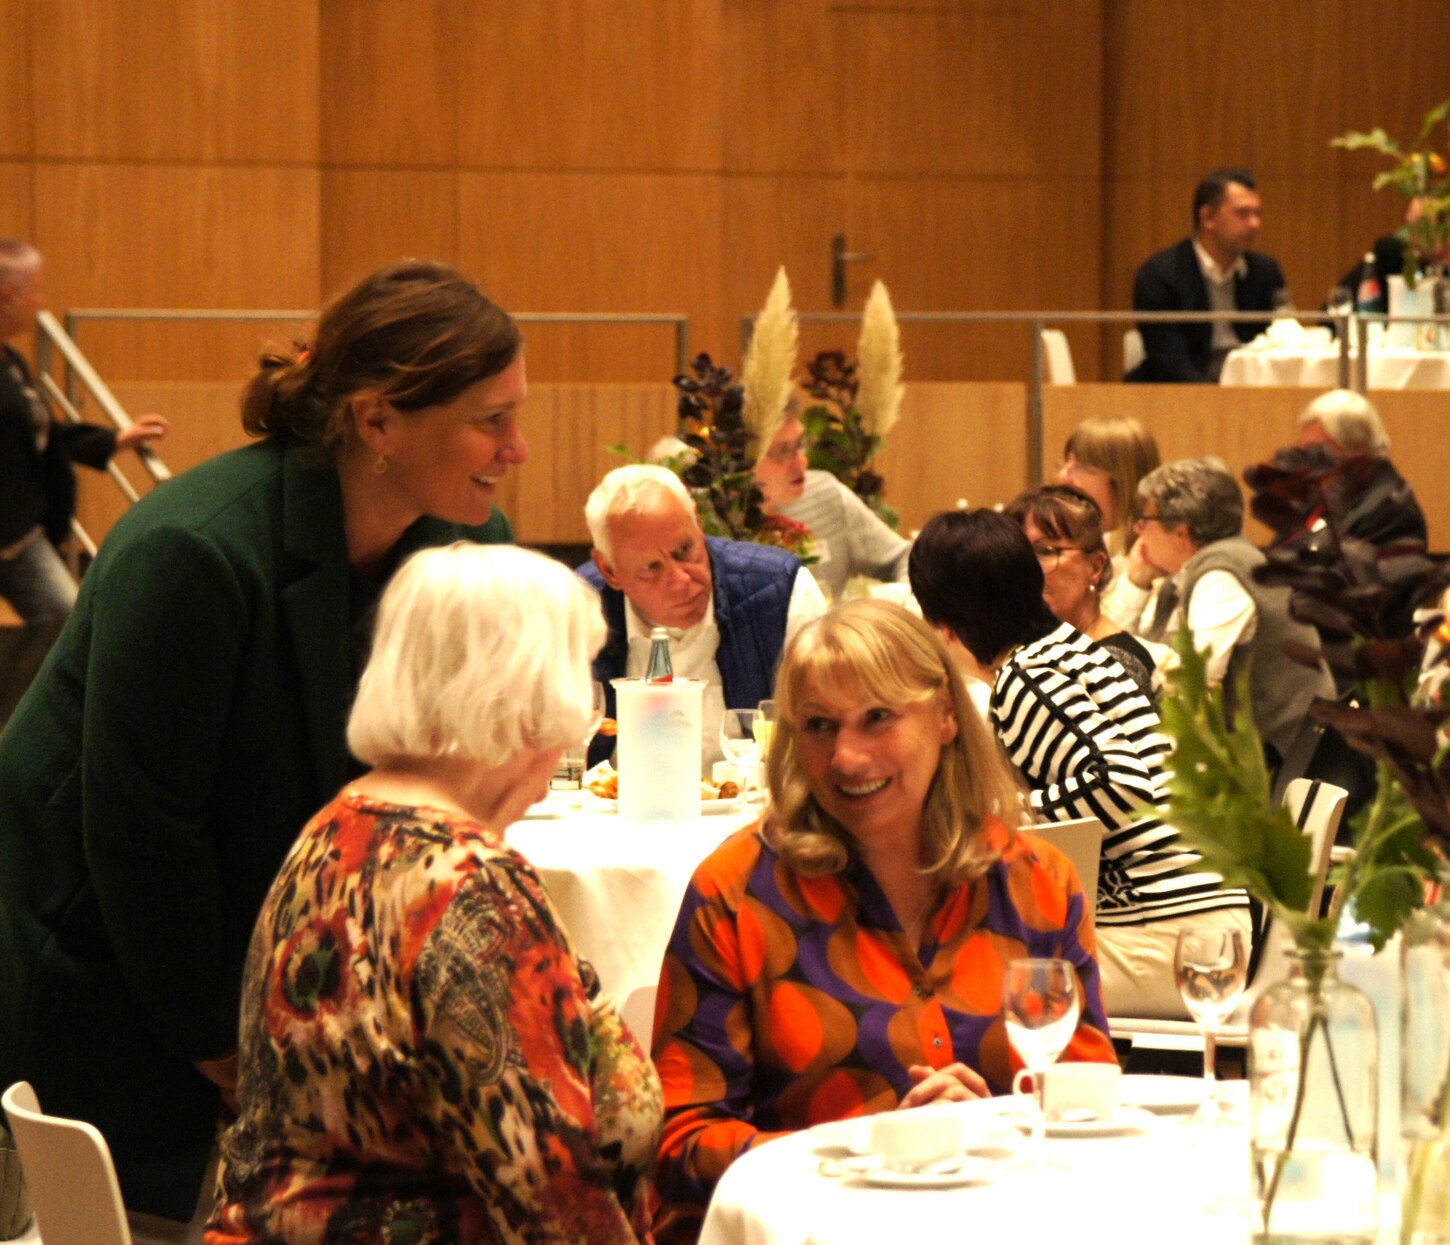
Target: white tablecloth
{"x":618,"y":884}
{"x":1319,"y":368}
{"x":1173,"y":1181}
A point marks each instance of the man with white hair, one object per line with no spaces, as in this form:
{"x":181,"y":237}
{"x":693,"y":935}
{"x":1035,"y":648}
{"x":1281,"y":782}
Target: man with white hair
{"x":1383,"y":507}
{"x":730,"y":607}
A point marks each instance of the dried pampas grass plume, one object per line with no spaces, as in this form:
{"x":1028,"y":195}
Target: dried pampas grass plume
{"x":878,"y":364}
{"x":766,"y":375}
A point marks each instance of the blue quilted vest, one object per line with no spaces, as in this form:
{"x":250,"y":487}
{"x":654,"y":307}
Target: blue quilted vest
{"x":752,"y":589}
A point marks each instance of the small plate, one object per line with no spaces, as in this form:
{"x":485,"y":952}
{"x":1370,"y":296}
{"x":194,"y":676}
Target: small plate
{"x":1162,"y":1095}
{"x":967,"y":1172}
{"x":1125,"y":1122}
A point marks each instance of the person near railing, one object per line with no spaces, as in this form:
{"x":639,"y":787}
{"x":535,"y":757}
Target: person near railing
{"x":37,"y":480}
{"x":1211,"y":270}
{"x":192,"y":714}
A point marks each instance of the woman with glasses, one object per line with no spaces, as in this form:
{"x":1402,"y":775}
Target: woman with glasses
{"x":1065,"y":528}
{"x":1085,"y":739}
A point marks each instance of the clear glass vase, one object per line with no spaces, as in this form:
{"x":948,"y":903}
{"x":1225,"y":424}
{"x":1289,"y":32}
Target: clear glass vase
{"x":1313,"y":1098}
{"x":1425,"y":1078}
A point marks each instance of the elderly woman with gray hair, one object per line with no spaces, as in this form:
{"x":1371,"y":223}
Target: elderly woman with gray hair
{"x":1190,"y":541}
{"x":1381,"y":508}
{"x":423,"y":1057}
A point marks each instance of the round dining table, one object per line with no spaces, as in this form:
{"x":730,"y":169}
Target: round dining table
{"x":1158,"y":1175}
{"x":618,"y":884}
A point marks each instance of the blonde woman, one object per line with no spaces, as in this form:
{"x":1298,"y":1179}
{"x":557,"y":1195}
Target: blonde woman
{"x":846,"y":957}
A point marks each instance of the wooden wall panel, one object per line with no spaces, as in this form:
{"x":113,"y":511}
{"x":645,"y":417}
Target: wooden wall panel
{"x":768,"y":222}
{"x":390,"y":82}
{"x":178,"y":80}
{"x":177,"y":236}
{"x":17,"y":82}
{"x":955,"y":441}
{"x":375,"y":216}
{"x":596,"y":242}
{"x":939,"y":244}
{"x":784,"y":99}
{"x":1000,"y":90}
{"x":17,"y":182}
{"x":591,"y":84}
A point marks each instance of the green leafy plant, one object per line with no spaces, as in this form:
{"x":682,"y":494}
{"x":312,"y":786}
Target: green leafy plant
{"x":1418,"y":173}
{"x":836,"y":432}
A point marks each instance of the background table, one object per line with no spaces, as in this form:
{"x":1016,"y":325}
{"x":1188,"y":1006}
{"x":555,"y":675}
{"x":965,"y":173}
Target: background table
{"x":618,"y":884}
{"x":1389,"y":368}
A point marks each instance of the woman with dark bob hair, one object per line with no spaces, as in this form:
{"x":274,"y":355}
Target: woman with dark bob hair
{"x":191,"y":716}
{"x":846,"y":956}
{"x":1086,"y":740}
{"x":423,"y":1058}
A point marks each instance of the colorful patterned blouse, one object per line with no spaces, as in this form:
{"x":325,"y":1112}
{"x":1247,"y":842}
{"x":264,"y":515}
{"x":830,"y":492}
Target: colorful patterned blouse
{"x":423,"y":1059}
{"x":787,"y":1001}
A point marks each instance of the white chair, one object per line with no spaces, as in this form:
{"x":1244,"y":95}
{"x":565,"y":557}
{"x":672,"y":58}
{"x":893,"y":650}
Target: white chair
{"x":638,"y":1013}
{"x":1058,"y":357}
{"x":1133,"y":352}
{"x":1081,"y":841}
{"x":68,"y":1170}
{"x":1317,"y":808}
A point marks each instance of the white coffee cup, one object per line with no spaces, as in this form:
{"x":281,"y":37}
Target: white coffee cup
{"x":915,"y":1138}
{"x":1086,"y":1091}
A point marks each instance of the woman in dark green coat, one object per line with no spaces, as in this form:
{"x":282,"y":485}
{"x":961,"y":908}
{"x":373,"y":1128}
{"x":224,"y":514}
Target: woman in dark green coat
{"x":191,"y":717}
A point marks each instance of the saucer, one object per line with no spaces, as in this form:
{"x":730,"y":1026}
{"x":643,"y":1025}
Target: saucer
{"x":1125,"y":1121}
{"x":966,"y":1172}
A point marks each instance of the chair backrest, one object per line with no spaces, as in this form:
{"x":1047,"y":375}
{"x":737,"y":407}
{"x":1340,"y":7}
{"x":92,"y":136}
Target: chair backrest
{"x":68,"y":1170}
{"x":1316,"y":808}
{"x":638,"y":1011}
{"x":1133,"y":352}
{"x":1081,"y":841}
{"x":1058,"y":356}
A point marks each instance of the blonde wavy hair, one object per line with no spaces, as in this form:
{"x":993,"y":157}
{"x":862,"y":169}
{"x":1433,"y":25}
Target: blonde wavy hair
{"x":886,"y":656}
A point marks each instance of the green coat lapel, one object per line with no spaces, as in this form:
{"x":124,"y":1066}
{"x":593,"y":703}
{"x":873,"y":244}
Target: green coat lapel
{"x":315,"y":604}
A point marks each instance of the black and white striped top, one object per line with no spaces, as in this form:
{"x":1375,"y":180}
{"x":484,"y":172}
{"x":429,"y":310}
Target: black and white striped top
{"x":1087,"y":741}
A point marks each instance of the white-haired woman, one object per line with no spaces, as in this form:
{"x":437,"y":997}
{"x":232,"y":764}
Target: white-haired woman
{"x":423,"y":1057}
{"x":1380,"y":506}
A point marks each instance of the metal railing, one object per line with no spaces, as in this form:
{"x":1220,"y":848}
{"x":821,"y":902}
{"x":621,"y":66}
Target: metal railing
{"x":51,"y":340}
{"x":1351,"y":333}
{"x":678,"y":320}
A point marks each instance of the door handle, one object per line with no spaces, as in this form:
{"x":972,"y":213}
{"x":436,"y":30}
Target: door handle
{"x":840,"y":257}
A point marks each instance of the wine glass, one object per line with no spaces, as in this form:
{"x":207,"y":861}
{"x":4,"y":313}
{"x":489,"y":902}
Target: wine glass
{"x":1040,"y":1007}
{"x":1210,"y":967}
{"x":737,"y":742}
{"x":765,"y":726}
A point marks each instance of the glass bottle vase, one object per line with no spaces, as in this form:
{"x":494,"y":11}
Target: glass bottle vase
{"x":1425,"y":1078}
{"x":1313,"y":1100}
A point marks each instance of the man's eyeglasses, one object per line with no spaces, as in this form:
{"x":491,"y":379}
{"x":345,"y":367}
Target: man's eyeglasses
{"x":785,"y":451}
{"x":1144,"y":519}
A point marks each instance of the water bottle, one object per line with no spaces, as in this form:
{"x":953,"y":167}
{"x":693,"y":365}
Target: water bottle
{"x":660,"y":669}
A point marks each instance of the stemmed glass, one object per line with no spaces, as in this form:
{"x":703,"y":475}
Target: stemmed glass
{"x":738,"y":743}
{"x":1040,"y":1006}
{"x":764,"y":728}
{"x":1210,"y":967}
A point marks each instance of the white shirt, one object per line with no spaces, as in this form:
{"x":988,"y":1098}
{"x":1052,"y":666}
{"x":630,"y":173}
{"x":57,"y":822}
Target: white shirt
{"x":692,"y":654}
{"x":1221,"y":616}
{"x":1219,"y":283}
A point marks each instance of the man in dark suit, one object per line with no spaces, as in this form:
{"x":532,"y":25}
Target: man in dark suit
{"x":1211,"y":270}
